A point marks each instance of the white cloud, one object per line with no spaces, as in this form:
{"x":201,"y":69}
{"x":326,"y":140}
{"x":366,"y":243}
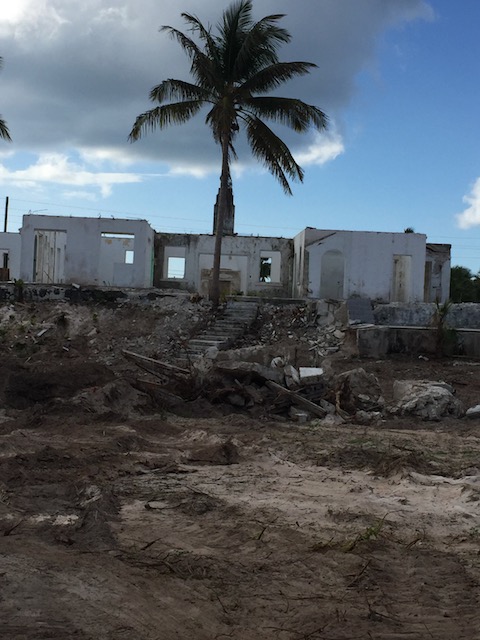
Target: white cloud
{"x":13,"y":12}
{"x":77,"y":74}
{"x":56,"y":168}
{"x":99,"y":156}
{"x":471,"y":216}
{"x":325,"y":147}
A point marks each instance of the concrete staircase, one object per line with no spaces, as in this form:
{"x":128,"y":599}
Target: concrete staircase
{"x":229,"y":326}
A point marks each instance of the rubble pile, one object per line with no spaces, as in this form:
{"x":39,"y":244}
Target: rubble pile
{"x":286,"y":365}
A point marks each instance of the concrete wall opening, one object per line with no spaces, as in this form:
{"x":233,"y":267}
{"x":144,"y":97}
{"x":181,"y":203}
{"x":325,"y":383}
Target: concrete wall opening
{"x":265,"y":270}
{"x":270,"y":266}
{"x":175,"y":268}
{"x":49,"y":256}
{"x":4,"y":270}
{"x":174,"y":263}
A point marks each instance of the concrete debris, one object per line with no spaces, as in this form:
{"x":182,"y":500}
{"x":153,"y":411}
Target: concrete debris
{"x":367,"y":418}
{"x":473,"y":412}
{"x":330,"y":420}
{"x":299,"y":415}
{"x":425,"y":399}
{"x":292,"y":377}
{"x":310,"y":375}
{"x":357,"y":390}
{"x":297,"y":399}
{"x":252,"y":369}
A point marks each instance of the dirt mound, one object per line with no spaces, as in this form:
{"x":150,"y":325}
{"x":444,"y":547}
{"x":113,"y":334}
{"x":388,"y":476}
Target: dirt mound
{"x":38,"y":384}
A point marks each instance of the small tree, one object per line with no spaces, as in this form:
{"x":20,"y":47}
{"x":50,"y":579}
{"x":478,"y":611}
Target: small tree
{"x":232,"y":70}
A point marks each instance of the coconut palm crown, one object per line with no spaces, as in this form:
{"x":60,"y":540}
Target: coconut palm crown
{"x":232,"y":70}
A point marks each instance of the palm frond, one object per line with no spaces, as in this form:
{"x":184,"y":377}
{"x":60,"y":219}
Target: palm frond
{"x":4,"y":132}
{"x":161,"y":117}
{"x":259,"y":47}
{"x":172,"y":89}
{"x":271,"y":76}
{"x":237,"y":20}
{"x":204,"y":34}
{"x":272,"y":152}
{"x":291,"y":112}
{"x":203,"y":66}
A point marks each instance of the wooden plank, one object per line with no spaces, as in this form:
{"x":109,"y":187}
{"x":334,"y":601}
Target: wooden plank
{"x":297,"y":399}
{"x":164,"y":366}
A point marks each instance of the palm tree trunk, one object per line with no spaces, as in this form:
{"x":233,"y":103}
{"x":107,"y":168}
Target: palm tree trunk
{"x":222,"y":208}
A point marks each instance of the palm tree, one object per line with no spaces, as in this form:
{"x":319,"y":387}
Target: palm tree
{"x":4,"y":132}
{"x":232,"y":69}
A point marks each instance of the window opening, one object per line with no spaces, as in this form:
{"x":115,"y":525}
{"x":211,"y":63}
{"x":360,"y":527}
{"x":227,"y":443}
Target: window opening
{"x":129,"y":255}
{"x":265,"y":270}
{"x":175,"y":268}
{"x":121,"y":236}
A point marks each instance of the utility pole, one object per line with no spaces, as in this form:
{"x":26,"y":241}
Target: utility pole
{"x":6,"y":216}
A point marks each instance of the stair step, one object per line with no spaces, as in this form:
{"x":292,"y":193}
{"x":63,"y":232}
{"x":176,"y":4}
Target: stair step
{"x":229,"y":326}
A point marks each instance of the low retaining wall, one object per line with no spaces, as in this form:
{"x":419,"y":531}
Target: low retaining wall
{"x":378,"y":341}
{"x":460,"y":316}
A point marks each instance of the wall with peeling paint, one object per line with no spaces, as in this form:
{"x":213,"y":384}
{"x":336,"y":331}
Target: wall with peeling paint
{"x":385,"y":267}
{"x":92,"y":251}
{"x":240,"y":263}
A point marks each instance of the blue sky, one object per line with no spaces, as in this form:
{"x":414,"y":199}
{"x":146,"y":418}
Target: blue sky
{"x":399,"y":80}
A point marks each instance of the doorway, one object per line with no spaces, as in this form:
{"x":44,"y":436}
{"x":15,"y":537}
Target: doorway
{"x":332,"y":275}
{"x":49,"y":257}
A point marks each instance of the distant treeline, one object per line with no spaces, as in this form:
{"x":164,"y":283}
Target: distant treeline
{"x":464,"y":285}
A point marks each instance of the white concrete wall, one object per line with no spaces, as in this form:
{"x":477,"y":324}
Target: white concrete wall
{"x":239,"y":254}
{"x":368,"y":262}
{"x":89,"y":259}
{"x":11,"y":243}
{"x":299,"y":275}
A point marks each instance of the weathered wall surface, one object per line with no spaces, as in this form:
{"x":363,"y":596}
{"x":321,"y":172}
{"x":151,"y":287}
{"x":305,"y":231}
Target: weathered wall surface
{"x":380,"y":266}
{"x":90,"y":253}
{"x":240,"y":265}
{"x":10,"y":243}
{"x":377,"y":342}
{"x":460,"y":316}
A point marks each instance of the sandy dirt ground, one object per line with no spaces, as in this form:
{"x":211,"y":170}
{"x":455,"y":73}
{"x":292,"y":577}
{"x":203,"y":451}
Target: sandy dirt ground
{"x":121,"y":520}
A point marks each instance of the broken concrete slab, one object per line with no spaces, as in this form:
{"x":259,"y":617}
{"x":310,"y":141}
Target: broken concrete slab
{"x":243,"y":369}
{"x":310,"y":375}
{"x":358,"y":390}
{"x":368,"y":417}
{"x":402,"y":388}
{"x":473,"y":412}
{"x":426,"y":399}
{"x":292,"y":377}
